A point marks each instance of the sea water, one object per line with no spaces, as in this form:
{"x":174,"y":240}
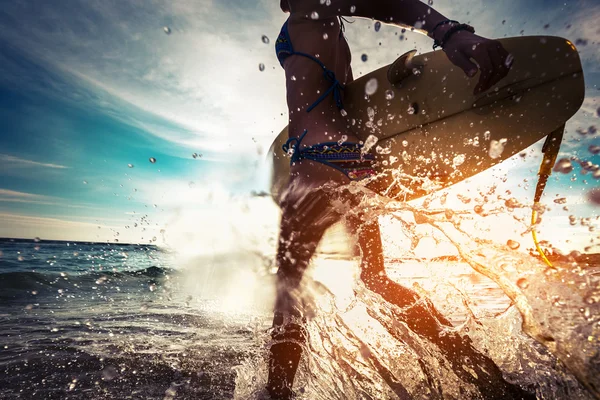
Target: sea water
{"x":94,"y":320}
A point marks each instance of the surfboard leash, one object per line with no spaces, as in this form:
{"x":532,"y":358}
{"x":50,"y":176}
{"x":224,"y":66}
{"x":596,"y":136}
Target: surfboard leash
{"x":550,"y":150}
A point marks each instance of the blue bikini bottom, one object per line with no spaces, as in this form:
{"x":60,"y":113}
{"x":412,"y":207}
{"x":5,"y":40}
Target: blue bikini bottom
{"x":346,"y":157}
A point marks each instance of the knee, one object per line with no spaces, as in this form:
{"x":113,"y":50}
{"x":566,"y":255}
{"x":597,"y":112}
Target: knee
{"x":289,"y":327}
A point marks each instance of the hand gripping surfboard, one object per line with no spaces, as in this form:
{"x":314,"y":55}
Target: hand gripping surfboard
{"x":428,"y":123}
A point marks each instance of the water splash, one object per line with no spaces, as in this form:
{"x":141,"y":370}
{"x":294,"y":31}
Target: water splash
{"x":369,"y":348}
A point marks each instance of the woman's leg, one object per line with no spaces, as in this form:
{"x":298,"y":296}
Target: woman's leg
{"x":304,"y":220}
{"x":418,"y":313}
{"x":372,"y":269}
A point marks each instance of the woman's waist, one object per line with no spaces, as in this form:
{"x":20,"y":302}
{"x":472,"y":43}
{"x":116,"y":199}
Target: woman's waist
{"x":320,"y":131}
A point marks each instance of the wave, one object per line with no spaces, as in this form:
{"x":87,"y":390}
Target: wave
{"x":14,"y":285}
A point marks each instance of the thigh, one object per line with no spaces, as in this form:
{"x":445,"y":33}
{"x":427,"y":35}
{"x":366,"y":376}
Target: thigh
{"x":305,"y":218}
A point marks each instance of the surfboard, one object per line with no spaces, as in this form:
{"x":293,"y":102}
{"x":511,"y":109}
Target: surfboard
{"x":427,"y":126}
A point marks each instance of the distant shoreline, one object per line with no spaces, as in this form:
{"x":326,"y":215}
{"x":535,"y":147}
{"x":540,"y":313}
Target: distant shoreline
{"x":24,"y":240}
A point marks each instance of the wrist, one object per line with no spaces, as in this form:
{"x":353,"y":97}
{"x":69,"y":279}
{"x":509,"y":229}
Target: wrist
{"x":441,"y":39}
{"x":438,"y":30}
{"x":438,"y":34}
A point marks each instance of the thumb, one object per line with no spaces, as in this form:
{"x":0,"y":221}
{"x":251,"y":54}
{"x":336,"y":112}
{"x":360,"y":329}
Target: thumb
{"x":463,"y":62}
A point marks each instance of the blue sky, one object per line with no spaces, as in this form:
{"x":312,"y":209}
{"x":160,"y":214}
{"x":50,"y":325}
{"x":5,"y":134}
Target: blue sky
{"x":88,"y":87}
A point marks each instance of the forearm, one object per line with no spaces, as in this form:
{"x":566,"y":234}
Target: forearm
{"x":406,"y":13}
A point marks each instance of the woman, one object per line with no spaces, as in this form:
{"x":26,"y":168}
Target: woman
{"x":325,"y":156}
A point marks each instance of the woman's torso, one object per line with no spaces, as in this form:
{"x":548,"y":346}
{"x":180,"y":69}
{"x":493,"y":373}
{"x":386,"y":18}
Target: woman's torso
{"x":305,"y":80}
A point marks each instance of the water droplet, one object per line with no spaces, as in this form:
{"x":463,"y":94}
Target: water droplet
{"x":458,"y":160}
{"x":36,"y":239}
{"x":342,"y":139}
{"x":389,"y":94}
{"x":522,"y":283}
{"x":265,"y":39}
{"x":109,"y":373}
{"x":129,"y":165}
{"x":594,"y":149}
{"x":430,"y":2}
{"x":167,"y":30}
{"x":464,"y":199}
{"x":405,"y":143}
{"x":325,"y":36}
{"x":592,"y":297}
{"x":594,"y":196}
{"x":370,"y":113}
{"x":152,"y":160}
{"x":478,"y":209}
{"x":369,"y":143}
{"x":487,"y":135}
{"x":20,"y":258}
{"x":557,"y":302}
{"x":293,"y":77}
{"x":343,"y":112}
{"x":411,"y":110}
{"x":377,"y":26}
{"x":85,"y":182}
{"x":497,"y":147}
{"x":352,"y":9}
{"x":364,"y":57}
{"x":513,"y":244}
{"x":261,"y":67}
{"x":561,"y":200}
{"x":383,"y":150}
{"x":512,"y":203}
{"x":371,"y":86}
{"x":314,"y":15}
{"x":416,"y":71}
{"x":152,"y":287}
{"x":563,"y":166}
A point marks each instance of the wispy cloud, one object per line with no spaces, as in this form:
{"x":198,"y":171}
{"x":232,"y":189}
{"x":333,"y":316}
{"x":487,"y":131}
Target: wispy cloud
{"x":204,"y":77}
{"x":8,"y":161}
{"x":13,"y":196}
{"x":43,"y":221}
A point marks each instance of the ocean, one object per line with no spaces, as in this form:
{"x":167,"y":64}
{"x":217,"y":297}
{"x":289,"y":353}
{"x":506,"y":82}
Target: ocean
{"x":114,"y":321}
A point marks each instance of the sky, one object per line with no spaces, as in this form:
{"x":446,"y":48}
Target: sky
{"x":92,"y":90}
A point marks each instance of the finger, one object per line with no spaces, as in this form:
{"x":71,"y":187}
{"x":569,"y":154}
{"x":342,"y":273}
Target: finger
{"x":487,"y":69}
{"x":499,"y":67}
{"x":507,"y":58}
{"x":462,"y":61}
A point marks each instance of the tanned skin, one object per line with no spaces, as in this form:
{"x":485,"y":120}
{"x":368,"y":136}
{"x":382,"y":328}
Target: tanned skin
{"x":314,"y":29}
